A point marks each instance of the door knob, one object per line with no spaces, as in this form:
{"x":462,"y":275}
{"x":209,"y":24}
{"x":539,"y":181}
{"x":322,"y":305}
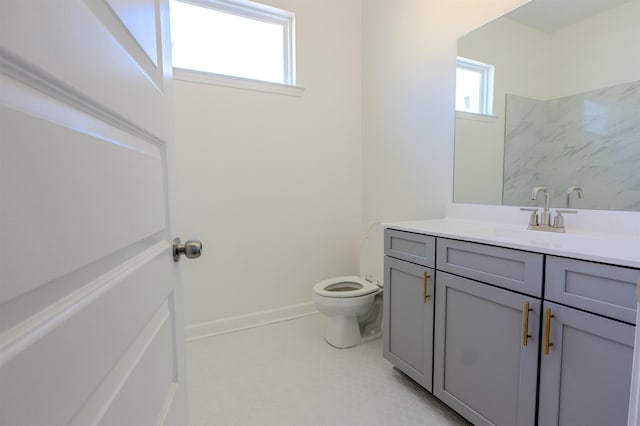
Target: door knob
{"x":192,"y":249}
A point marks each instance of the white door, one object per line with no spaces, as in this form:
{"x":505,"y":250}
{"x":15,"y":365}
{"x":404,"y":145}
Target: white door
{"x":90,"y":307}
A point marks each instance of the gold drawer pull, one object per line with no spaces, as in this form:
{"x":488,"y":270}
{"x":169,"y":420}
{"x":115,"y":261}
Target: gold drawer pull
{"x":424,"y":293}
{"x":547,"y":330}
{"x":525,"y":323}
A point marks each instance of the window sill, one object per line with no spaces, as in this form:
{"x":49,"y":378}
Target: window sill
{"x":476,"y":117}
{"x":236,"y":82}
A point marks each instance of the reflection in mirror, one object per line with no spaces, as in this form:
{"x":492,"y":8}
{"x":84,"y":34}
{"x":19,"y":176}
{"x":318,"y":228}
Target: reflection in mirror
{"x":566,"y":107}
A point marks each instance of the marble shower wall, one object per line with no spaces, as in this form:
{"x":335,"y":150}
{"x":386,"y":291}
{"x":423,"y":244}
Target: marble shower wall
{"x":590,"y":139}
{"x":524,"y":149}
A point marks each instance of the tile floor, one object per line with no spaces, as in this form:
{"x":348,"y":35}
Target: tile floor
{"x":285,"y":374}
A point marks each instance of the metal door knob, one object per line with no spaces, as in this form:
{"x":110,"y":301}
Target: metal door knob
{"x":192,"y":249}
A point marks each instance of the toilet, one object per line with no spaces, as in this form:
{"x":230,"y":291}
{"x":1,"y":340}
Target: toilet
{"x":352,"y":303}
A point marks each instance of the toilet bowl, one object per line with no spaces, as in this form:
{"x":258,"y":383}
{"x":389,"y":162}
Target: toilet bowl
{"x":352,"y":303}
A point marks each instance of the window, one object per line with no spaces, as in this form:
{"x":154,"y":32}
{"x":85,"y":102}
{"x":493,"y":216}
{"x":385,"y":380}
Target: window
{"x":235,"y":38}
{"x":474,"y":87}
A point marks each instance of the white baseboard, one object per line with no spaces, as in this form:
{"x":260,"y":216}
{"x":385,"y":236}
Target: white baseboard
{"x":241,"y":322}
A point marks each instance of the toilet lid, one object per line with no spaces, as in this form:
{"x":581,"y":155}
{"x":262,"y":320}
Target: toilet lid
{"x":347,"y":286}
{"x":372,"y":254}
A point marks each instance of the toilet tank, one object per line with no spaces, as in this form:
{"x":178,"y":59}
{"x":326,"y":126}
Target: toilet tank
{"x":372,"y":254}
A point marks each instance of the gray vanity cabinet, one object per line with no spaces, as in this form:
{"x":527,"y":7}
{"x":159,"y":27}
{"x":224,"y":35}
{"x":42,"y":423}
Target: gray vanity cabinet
{"x":485,"y":366}
{"x":408,"y":304}
{"x":518,"y":338}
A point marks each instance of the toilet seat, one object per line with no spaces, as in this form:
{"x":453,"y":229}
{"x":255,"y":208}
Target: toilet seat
{"x":344,"y":287}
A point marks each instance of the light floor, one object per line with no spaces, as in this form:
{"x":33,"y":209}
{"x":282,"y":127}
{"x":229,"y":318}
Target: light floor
{"x":286,"y":374}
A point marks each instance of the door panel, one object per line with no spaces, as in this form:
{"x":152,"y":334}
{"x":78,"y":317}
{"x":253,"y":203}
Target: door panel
{"x":141,"y":25}
{"x":148,"y":385}
{"x":90,"y":303}
{"x":79,"y":341}
{"x":586,"y":377}
{"x":68,"y":151}
{"x":481,"y":367}
{"x":408,"y":317}
{"x":90,"y":54}
{"x":135,"y":24}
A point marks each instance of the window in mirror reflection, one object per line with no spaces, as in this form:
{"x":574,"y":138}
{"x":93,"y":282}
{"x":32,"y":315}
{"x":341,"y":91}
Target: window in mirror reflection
{"x":474,"y":86}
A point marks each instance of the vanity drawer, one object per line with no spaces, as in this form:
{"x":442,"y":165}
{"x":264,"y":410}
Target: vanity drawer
{"x":511,"y":269}
{"x":602,"y":289}
{"x":415,"y":248}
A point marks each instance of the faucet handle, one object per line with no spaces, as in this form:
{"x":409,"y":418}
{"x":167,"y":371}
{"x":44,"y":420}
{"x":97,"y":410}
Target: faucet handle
{"x":558,"y":221}
{"x":571,"y":190}
{"x":533,"y":218}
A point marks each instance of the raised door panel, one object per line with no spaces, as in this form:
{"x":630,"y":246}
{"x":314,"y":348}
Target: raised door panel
{"x":78,"y":343}
{"x":482,"y":368}
{"x":58,"y":185}
{"x":100,"y":51}
{"x":135,"y":24}
{"x":408,"y":319}
{"x":586,"y":377}
{"x":141,"y":20}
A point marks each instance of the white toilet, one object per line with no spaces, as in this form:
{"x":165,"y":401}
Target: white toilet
{"x":353,"y":304}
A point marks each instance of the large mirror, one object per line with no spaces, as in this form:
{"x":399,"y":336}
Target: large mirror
{"x":566,"y":107}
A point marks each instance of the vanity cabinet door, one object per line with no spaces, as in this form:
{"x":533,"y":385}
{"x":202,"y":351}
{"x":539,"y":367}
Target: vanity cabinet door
{"x":482,"y":368}
{"x":585,"y":378}
{"x":408,"y":319}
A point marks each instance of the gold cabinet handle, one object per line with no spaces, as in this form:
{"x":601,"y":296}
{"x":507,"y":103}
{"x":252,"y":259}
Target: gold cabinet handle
{"x":425,"y":296}
{"x":547,"y":330}
{"x":525,"y":323}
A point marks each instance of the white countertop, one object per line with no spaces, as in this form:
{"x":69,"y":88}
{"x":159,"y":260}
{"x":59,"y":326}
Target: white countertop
{"x":581,"y":241}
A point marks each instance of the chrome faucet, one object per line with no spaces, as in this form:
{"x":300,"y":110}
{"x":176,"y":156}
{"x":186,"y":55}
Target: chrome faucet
{"x":545,"y":218}
{"x":570,"y":191}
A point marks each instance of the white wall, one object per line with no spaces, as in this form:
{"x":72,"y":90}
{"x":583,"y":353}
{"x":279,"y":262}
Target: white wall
{"x":599,"y":52}
{"x":408,"y":114}
{"x":478,"y":164}
{"x":272,"y":183}
{"x":280,"y":189}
